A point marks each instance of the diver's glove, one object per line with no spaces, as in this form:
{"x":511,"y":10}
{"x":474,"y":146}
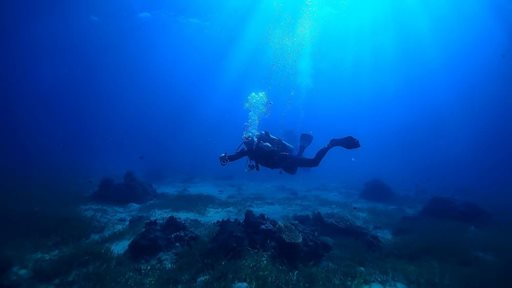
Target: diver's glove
{"x":223,"y":159}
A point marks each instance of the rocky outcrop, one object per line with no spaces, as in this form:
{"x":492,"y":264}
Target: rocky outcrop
{"x":441,"y":211}
{"x":456,"y":210}
{"x":337,"y":226}
{"x":377,"y":191}
{"x":160,"y":237}
{"x":285,"y":241}
{"x":131,"y":190}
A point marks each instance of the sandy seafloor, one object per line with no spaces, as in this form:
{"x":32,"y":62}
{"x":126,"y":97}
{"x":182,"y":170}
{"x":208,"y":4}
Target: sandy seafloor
{"x":100,"y":259}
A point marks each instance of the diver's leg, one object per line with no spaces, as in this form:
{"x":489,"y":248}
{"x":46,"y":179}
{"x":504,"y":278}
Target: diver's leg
{"x":311,"y":162}
{"x":348,"y":142}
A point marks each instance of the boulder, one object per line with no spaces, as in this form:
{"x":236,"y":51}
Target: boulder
{"x":131,"y":190}
{"x":377,"y":191}
{"x":447,"y":208}
{"x":337,"y":226}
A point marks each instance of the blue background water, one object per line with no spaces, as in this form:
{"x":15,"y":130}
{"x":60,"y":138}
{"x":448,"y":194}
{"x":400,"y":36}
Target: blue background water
{"x":92,"y":88}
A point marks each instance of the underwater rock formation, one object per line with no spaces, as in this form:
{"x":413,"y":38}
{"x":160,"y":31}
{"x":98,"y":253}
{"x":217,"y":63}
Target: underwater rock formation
{"x":160,"y":237}
{"x":377,"y":191}
{"x":230,"y":241}
{"x":456,"y":210}
{"x":131,"y":190}
{"x":440,"y":212}
{"x":297,"y":245}
{"x":260,"y":230}
{"x":285,"y":241}
{"x":336,"y":226}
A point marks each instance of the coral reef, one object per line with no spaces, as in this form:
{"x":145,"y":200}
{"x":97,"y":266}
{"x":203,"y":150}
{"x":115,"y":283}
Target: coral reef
{"x":297,"y":246}
{"x":205,"y":243}
{"x":131,"y":190}
{"x":160,"y":237}
{"x":261,"y":231}
{"x":230,"y":241}
{"x":377,"y":191}
{"x":287,"y":242}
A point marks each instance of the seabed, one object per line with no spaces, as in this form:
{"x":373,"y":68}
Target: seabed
{"x":92,"y":249}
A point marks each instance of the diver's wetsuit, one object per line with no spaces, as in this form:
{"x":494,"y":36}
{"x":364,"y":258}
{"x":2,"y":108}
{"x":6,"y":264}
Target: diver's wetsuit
{"x":274,"y":153}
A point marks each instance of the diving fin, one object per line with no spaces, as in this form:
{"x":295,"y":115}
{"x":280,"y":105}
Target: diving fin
{"x":305,"y":141}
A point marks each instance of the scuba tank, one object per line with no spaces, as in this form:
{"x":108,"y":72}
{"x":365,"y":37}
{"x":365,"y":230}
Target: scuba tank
{"x":269,"y":142}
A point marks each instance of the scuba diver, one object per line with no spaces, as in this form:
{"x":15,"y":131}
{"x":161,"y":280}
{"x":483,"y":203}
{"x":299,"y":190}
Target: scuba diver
{"x":274,"y":153}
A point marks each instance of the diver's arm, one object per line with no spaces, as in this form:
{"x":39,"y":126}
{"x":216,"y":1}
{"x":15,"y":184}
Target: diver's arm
{"x":225,"y":158}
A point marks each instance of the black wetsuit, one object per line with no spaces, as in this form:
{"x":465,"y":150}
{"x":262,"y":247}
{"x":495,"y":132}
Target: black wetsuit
{"x":274,"y":153}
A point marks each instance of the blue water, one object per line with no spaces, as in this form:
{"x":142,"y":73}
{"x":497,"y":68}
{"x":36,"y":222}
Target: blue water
{"x":95,"y":88}
{"x":90,"y":86}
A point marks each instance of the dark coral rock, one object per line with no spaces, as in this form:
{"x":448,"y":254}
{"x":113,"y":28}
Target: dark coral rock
{"x":230,"y":241}
{"x":296,"y":245}
{"x":160,"y":237}
{"x":173,"y":225}
{"x":451,"y":209}
{"x":441,"y":212}
{"x":147,"y":244}
{"x":261,"y":231}
{"x":131,"y":190}
{"x":377,"y":191}
{"x":291,"y":243}
{"x":336,"y":226}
